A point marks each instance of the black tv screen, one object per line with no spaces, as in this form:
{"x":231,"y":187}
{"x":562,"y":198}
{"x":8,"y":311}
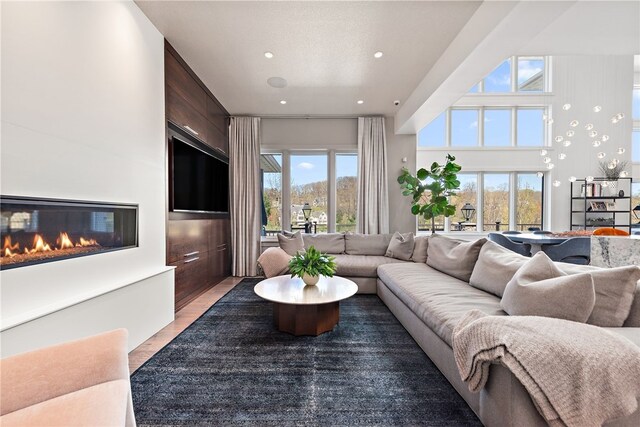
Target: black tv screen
{"x":200,"y":180}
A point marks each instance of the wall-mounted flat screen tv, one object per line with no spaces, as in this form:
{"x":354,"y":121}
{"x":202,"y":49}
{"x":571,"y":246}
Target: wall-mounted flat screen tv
{"x":200,"y":179}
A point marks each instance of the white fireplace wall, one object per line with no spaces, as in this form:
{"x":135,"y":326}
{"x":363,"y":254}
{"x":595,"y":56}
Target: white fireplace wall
{"x":83,"y":118}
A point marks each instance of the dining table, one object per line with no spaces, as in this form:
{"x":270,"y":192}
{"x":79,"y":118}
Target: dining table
{"x":537,"y":241}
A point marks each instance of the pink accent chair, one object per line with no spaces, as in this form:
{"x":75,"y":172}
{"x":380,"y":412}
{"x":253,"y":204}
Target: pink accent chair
{"x":78,"y":383}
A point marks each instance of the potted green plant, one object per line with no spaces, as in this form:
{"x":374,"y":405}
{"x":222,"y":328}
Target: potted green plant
{"x":312,"y":264}
{"x":439,"y":182}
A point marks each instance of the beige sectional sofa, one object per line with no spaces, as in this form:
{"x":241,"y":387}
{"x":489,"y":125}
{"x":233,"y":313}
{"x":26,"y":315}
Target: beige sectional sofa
{"x":429,"y":303}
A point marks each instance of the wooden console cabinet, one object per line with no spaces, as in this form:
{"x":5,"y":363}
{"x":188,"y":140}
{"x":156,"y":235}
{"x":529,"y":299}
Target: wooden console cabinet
{"x":198,"y":245}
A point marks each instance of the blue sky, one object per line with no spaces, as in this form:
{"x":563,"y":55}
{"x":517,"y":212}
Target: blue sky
{"x":313,"y":168}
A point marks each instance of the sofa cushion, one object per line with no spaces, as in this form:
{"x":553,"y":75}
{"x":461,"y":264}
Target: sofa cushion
{"x":540,"y":288}
{"x":452,"y":256}
{"x":495,"y":267}
{"x":361,"y":265}
{"x":400,"y":246}
{"x":421,"y":244}
{"x":366,"y":244}
{"x":437,"y":298}
{"x":291,"y":243}
{"x":615,"y":288}
{"x":330,"y":243}
{"x":103,"y":404}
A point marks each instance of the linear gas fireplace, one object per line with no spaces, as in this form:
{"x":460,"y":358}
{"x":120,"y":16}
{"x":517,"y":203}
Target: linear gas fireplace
{"x":43,"y":230}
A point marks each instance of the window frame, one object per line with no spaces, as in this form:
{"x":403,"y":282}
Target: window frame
{"x":512,"y":220}
{"x":480,"y":130}
{"x":514,"y":78}
{"x":331,"y":180}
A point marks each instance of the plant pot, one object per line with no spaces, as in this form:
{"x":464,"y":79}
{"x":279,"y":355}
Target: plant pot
{"x":310,"y":280}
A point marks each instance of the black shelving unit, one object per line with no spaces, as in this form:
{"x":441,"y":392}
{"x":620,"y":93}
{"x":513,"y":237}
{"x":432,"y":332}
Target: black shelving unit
{"x":582,"y":214}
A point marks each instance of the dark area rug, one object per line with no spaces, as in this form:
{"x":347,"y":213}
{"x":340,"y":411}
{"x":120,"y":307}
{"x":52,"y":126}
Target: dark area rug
{"x":231,"y":367}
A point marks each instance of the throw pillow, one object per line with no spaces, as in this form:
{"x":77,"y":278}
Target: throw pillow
{"x":274,"y":262}
{"x":401,"y":246}
{"x":496,"y":266}
{"x":540,"y":288}
{"x":421,"y":244}
{"x":453,"y":257}
{"x":291,"y":243}
{"x":615,"y":289}
{"x":633,"y":321}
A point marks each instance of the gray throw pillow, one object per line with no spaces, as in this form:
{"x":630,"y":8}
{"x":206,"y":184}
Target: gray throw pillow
{"x":495,"y":267}
{"x":615,"y":288}
{"x":540,"y":288}
{"x":633,"y":321}
{"x":420,"y":246}
{"x":453,"y":257}
{"x":291,"y":243}
{"x":401,"y":246}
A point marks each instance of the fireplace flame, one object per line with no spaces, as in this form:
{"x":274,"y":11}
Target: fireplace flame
{"x":63,"y":241}
{"x":8,"y":248}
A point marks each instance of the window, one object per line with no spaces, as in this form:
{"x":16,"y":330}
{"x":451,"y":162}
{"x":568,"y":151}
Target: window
{"x":515,"y":74}
{"x":528,"y":201}
{"x":271,"y":167}
{"x":635,"y":146}
{"x":530,"y":127}
{"x":464,"y":128}
{"x":500,"y":79}
{"x":309,"y":185}
{"x":497,"y":128}
{"x":635,"y":107}
{"x":530,"y":74}
{"x":433,"y":134}
{"x":346,"y":191}
{"x":635,"y":201}
{"x":468,"y":193}
{"x":496,"y":201}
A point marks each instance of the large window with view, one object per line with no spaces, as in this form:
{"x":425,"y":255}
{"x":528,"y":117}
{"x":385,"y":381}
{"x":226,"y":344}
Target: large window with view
{"x":502,"y":127}
{"x":466,"y":198}
{"x":271,"y":167}
{"x":346,"y":191}
{"x":309,"y":185}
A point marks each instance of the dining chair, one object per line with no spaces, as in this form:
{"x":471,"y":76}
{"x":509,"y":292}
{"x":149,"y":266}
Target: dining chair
{"x":542,"y":232}
{"x":511,"y":232}
{"x":502,"y":240}
{"x":576,"y":250}
{"x":608,"y":231}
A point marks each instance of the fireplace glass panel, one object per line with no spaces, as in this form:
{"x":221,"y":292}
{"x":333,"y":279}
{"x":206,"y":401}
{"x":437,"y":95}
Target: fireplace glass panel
{"x":43,"y":230}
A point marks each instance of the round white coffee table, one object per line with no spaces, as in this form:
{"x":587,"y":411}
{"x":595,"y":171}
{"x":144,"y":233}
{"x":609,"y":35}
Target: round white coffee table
{"x":299,"y":309}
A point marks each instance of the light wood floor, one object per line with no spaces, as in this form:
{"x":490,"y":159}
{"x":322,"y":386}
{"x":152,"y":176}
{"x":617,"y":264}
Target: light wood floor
{"x":185,"y":317}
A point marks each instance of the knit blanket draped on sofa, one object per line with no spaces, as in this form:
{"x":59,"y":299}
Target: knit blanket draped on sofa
{"x":576,"y":374}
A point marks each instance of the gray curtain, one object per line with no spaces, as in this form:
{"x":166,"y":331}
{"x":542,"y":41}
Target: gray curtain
{"x":373,"y":198}
{"x":244,"y":150}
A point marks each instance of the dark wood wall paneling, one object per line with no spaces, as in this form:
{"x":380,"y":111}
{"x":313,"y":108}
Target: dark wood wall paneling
{"x":197,"y":245}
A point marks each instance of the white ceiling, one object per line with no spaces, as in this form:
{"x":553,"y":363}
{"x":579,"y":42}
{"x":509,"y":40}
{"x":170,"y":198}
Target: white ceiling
{"x":323,"y":49}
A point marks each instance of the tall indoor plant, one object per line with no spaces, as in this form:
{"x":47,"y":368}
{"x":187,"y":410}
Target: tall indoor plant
{"x":439,"y":182}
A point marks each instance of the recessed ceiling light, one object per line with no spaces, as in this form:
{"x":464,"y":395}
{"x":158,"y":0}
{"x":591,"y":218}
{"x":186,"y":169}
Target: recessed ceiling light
{"x":360,"y":101}
{"x":378,"y":54}
{"x":268,"y":55}
{"x":283,"y":102}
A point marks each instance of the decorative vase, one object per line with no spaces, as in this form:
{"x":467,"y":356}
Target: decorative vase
{"x":310,"y":280}
{"x":613,"y":188}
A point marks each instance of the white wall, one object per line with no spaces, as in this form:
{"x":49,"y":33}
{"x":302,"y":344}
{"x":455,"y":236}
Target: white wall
{"x":583,"y":81}
{"x":310,"y":134}
{"x":399,"y":147}
{"x":83,"y":118}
